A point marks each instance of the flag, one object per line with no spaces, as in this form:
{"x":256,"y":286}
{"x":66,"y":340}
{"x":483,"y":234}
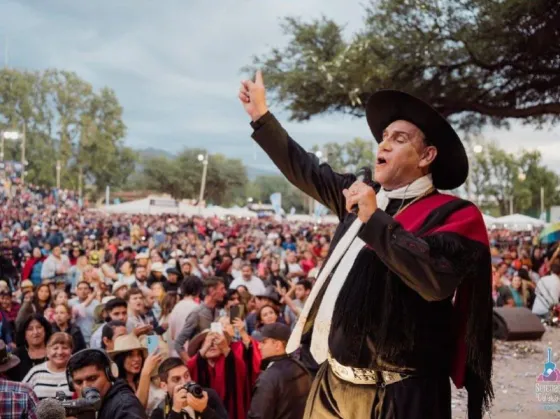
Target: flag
{"x":276,"y":202}
{"x":320,"y":209}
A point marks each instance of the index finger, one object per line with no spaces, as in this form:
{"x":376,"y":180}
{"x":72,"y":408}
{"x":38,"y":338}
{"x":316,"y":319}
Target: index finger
{"x":259,"y":77}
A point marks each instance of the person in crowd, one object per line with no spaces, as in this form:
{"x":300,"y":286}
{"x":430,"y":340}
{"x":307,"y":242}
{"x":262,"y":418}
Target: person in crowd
{"x":48,"y":378}
{"x":116,"y":309}
{"x":33,"y":267}
{"x":135,"y":365}
{"x":55,"y":265}
{"x":230,"y":368}
{"x":253,"y":283}
{"x":269,"y":297}
{"x":63,"y":323}
{"x":31,"y":340}
{"x":191,"y":287}
{"x":93,"y":368}
{"x":547,"y":292}
{"x":284,"y":384}
{"x":201,"y":317}
{"x":301,"y":290}
{"x":17,"y":400}
{"x":267,"y":314}
{"x":39,"y":303}
{"x":137,"y":318}
{"x":180,"y":403}
{"x":10,"y":307}
{"x":519,"y":292}
{"x":110,"y":331}
{"x":86,"y":300}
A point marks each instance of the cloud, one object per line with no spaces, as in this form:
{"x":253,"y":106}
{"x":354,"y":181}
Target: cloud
{"x":175,"y":65}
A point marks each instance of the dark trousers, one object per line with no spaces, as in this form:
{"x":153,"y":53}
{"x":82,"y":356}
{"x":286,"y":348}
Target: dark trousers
{"x":412,"y":398}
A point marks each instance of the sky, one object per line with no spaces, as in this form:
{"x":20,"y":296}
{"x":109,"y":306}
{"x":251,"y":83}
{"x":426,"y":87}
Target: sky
{"x":175,"y":66}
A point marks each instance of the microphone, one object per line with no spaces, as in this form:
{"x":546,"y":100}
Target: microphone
{"x":50,"y":409}
{"x":365,"y":175}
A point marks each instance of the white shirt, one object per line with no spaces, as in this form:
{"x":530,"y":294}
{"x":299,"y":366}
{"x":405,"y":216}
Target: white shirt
{"x":177,"y":318}
{"x":255,"y":286}
{"x":547,"y":294}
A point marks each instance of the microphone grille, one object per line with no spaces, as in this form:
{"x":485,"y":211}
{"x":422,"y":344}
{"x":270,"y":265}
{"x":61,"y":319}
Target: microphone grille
{"x":50,"y":409}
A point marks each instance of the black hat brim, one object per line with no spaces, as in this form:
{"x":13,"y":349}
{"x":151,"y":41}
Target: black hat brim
{"x":451,"y":166}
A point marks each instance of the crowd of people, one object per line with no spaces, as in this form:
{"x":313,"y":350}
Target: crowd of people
{"x":140,"y":306}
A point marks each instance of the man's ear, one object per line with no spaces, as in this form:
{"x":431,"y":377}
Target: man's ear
{"x":428,"y":157}
{"x":163,"y":385}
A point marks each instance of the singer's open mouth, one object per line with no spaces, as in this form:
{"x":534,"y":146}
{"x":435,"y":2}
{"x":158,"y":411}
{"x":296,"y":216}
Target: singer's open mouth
{"x":381,"y":161}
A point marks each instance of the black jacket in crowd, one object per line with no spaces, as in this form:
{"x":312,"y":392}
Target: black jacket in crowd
{"x":214,"y":410}
{"x":121,"y":403}
{"x":281,"y":390}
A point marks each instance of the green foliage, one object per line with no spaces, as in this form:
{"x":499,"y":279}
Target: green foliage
{"x":497,"y":176}
{"x":347,"y":157}
{"x":263,"y":186}
{"x":181,"y":177}
{"x":65,"y":120}
{"x":477,"y":61}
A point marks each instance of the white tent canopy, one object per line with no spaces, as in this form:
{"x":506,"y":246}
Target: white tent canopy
{"x":166,"y":205}
{"x":490,"y":221}
{"x":519,"y":222}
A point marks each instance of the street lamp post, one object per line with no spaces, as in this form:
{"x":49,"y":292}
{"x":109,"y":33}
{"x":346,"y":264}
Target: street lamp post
{"x":521,"y":176}
{"x":23,"y":161}
{"x":204,"y":159}
{"x":58,"y":168}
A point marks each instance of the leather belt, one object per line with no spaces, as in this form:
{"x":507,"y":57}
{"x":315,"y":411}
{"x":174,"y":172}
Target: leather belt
{"x":364,"y":375}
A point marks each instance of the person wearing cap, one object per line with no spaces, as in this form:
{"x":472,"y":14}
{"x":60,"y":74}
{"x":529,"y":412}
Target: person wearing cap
{"x":283,"y":386}
{"x":172,"y":282}
{"x":17,"y":400}
{"x":404,"y":299}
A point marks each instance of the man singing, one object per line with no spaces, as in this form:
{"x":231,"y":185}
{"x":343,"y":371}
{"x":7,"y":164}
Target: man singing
{"x":403,"y":300}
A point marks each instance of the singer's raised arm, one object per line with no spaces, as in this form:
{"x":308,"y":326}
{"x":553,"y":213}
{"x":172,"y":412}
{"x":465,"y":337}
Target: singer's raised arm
{"x":301,"y":168}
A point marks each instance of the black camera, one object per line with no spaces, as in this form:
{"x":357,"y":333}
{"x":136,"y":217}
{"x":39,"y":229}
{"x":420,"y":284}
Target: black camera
{"x":83,"y":408}
{"x":194,"y":389}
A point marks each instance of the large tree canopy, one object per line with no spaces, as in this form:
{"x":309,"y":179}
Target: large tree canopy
{"x":476,"y":61}
{"x":66,"y":120}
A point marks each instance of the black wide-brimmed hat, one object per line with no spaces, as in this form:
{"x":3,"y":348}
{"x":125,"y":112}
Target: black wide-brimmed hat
{"x":451,"y":166}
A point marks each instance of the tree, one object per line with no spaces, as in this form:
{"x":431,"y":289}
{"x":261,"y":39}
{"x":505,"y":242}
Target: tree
{"x":476,"y":61}
{"x":181,"y":177}
{"x":500,"y":178}
{"x":65,"y":120}
{"x":262,"y":187}
{"x":349,"y":156}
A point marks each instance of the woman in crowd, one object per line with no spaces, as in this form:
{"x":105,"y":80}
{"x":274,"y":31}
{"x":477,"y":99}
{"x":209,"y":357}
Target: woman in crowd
{"x":135,"y":365}
{"x":62,"y":323}
{"x":39,"y":303}
{"x":268,"y":314}
{"x":58,"y":297}
{"x":519,"y":292}
{"x":31,"y":340}
{"x":230,"y":368}
{"x":48,"y":378}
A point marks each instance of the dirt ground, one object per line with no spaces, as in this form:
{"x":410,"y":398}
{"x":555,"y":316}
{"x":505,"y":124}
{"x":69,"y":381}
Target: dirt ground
{"x":516,"y":367}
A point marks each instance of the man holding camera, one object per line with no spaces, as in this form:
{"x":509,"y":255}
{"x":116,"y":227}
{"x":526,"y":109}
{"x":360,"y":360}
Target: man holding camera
{"x":185,"y":399}
{"x":92,"y":368}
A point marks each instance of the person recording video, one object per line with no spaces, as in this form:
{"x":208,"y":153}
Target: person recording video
{"x":93,"y":368}
{"x":182,"y":401}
